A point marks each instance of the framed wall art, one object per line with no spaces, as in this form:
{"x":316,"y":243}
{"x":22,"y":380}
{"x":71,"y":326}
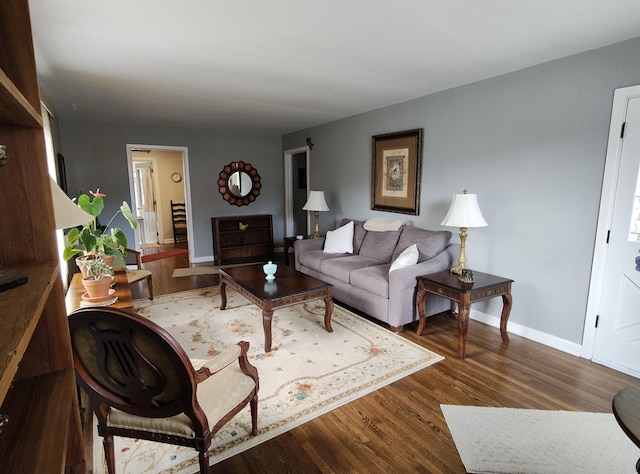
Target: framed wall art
{"x":396,"y":162}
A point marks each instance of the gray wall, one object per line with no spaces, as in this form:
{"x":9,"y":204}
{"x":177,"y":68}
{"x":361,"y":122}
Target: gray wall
{"x":531,"y":144}
{"x":95,"y":156}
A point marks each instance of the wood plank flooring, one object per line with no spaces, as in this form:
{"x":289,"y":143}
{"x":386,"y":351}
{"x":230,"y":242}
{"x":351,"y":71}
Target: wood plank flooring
{"x":400,"y":428}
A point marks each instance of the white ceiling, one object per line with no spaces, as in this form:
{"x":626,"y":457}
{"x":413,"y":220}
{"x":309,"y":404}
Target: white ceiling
{"x":283,"y":65}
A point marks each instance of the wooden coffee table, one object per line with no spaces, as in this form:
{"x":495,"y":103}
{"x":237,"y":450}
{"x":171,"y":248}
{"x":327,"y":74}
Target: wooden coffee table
{"x":289,"y":287}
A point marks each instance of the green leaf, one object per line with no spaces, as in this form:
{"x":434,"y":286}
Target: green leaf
{"x":93,"y":207}
{"x":126,"y":212}
{"x":69,"y":252}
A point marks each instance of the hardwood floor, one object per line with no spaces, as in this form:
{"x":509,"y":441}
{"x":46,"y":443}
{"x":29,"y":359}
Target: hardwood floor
{"x":400,"y":428}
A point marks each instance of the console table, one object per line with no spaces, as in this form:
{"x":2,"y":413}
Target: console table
{"x":122,"y":287}
{"x":447,"y":285}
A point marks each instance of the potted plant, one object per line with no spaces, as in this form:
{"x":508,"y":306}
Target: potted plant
{"x":98,"y":277}
{"x":92,"y":238}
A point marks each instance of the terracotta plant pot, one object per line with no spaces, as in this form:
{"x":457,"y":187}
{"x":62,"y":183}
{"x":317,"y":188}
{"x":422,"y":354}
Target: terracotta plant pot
{"x":97,"y":288}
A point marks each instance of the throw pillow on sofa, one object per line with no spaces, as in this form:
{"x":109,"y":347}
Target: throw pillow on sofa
{"x":409,"y":256}
{"x":339,"y":240}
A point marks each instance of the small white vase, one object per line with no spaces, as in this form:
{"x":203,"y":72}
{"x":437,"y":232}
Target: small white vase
{"x":270,"y":270}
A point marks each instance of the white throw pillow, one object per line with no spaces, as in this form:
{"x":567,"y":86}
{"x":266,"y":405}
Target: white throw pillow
{"x":409,"y":256}
{"x":340,"y":240}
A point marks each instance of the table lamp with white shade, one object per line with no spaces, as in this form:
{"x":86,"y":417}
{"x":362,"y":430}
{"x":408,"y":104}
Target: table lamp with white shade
{"x":464,"y":213}
{"x":316,"y":203}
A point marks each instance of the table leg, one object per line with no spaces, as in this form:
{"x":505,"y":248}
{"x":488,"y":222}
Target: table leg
{"x":328,"y":309}
{"x":463,"y":324}
{"x":504,"y":318}
{"x":223,"y":294}
{"x":422,"y":313}
{"x":267,"y":314}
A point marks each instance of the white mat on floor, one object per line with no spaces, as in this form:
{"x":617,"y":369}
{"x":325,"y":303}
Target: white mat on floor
{"x":511,"y":440}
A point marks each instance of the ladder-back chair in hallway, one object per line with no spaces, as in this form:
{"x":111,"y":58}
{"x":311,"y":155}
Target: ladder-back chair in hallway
{"x":179,"y":220}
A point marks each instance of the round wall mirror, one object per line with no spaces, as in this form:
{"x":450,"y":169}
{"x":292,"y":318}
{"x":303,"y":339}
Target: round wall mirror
{"x":239,"y":183}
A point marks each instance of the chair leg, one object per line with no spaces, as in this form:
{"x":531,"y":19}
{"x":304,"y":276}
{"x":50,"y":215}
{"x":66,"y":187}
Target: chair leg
{"x":203,"y":456}
{"x":107,"y":442}
{"x":150,"y":287}
{"x":254,"y":415}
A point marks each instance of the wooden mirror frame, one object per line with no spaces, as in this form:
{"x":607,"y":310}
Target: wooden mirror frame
{"x":223,"y":183}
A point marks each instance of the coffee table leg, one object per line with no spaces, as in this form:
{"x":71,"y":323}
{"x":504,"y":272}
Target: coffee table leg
{"x":267,"y":314}
{"x":223,"y":294}
{"x":328,"y":309}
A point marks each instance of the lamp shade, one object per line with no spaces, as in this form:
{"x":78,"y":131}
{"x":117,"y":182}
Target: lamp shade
{"x":464,"y":212}
{"x":66,"y":212}
{"x":316,"y":202}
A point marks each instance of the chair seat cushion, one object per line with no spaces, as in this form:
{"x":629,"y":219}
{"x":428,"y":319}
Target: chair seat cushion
{"x":137,"y":275}
{"x":218,"y":395}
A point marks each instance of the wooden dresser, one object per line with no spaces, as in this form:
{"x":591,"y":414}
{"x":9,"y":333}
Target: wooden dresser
{"x":242,"y":239}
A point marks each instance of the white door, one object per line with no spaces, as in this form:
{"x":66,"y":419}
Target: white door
{"x":617,"y":341}
{"x":146,"y":202}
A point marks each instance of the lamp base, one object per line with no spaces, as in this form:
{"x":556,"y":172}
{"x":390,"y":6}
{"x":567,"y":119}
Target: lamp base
{"x":458,"y":270}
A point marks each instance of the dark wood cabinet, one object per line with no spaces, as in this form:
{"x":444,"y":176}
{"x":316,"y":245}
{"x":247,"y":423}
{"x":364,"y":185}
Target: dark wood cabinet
{"x":37,"y":384}
{"x":242,"y":239}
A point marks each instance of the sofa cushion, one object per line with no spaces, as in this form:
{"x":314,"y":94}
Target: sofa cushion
{"x":409,"y":256}
{"x":380,"y":245}
{"x":430,"y":243}
{"x":340,"y":240}
{"x":313,"y":258}
{"x":341,"y":268}
{"x":358,"y":233}
{"x":374,"y":279}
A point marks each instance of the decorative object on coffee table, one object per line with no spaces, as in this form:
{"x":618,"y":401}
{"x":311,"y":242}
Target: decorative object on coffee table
{"x":463,"y":213}
{"x":270,"y":270}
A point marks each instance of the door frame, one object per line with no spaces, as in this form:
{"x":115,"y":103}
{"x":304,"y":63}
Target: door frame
{"x":186,"y":179}
{"x":605,"y":216}
{"x":288,"y":187}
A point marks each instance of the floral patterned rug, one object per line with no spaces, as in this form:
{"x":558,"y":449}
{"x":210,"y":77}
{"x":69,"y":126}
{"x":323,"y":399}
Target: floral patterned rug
{"x":308,"y":372}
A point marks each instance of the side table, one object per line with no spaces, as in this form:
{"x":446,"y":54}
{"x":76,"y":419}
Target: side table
{"x":626,"y":409}
{"x":288,"y":244}
{"x":122,"y":287}
{"x":447,"y":285}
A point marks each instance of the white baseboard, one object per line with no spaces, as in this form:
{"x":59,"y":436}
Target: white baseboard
{"x":533,"y":334}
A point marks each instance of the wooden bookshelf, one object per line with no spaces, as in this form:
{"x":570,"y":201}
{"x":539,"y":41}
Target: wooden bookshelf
{"x":37,"y":386}
{"x":242,"y":239}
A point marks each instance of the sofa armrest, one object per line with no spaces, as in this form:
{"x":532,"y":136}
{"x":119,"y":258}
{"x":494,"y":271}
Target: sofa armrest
{"x":306,"y":245}
{"x":403,"y":283}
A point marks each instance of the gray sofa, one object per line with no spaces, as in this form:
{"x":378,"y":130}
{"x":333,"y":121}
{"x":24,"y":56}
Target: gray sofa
{"x":362,"y":279}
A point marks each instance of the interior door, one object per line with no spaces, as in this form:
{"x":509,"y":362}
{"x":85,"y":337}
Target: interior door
{"x":617,"y":342}
{"x":146,"y":202}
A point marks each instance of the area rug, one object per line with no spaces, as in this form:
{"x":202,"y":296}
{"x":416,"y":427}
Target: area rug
{"x":309,"y":371}
{"x":511,"y":440}
{"x":166,"y":254}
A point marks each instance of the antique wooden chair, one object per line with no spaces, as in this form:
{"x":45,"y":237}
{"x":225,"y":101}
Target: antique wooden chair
{"x":179,"y":220}
{"x":135,"y":272}
{"x":141,"y":384}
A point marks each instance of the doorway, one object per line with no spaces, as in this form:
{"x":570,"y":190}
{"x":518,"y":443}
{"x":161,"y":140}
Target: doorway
{"x":296,"y":190}
{"x":166,"y":179}
{"x":612,"y":327}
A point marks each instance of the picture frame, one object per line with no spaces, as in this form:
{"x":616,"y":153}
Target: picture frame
{"x":396,"y":166}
